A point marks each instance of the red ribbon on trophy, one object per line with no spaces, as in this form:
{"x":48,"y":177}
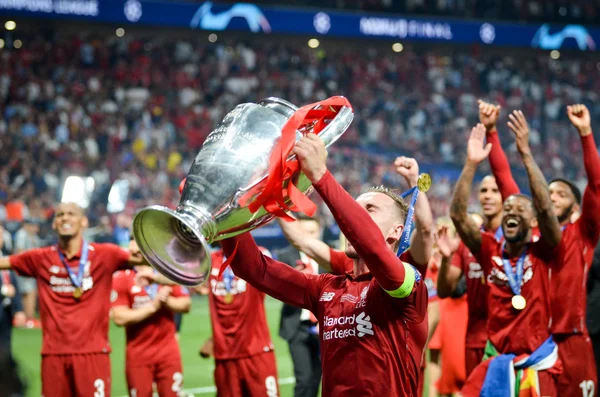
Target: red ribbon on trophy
{"x":312,"y":118}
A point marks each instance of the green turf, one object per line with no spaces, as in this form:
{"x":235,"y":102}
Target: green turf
{"x":197,"y":372}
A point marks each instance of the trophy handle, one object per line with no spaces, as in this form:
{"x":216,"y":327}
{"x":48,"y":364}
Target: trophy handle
{"x":173,"y":244}
{"x":336,"y":127}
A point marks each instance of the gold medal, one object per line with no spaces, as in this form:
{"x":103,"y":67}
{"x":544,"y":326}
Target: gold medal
{"x":77,"y":293}
{"x":518,"y":302}
{"x":424,"y":182}
{"x":228,"y":298}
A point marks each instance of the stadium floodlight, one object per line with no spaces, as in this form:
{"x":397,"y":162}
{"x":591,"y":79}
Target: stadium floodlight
{"x":313,"y":43}
{"x":78,"y":190}
{"x":117,"y":197}
{"x":10,"y":25}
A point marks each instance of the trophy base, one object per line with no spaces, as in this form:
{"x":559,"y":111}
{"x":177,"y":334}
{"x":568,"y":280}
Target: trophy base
{"x":171,"y":242}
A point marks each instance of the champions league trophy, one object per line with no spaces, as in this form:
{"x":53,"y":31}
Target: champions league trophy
{"x":232,"y":165}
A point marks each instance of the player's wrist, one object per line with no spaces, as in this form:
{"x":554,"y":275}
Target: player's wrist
{"x":585,"y":131}
{"x":491,"y":129}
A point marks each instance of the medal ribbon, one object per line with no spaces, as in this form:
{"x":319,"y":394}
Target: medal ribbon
{"x":514,"y":277}
{"x":76,"y":280}
{"x":408,"y":223}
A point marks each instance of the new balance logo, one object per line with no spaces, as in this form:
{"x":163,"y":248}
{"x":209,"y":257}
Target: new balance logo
{"x":327,"y":296}
{"x":364,"y":325}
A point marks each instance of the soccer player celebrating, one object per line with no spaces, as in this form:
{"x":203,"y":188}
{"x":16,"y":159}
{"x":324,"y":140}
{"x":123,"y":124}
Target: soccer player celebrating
{"x":581,"y":228}
{"x":517,"y":274}
{"x":74,"y":281}
{"x":418,"y":254}
{"x":491,"y":193}
{"x":373,"y":322}
{"x":147,"y":313}
{"x":241,"y":342}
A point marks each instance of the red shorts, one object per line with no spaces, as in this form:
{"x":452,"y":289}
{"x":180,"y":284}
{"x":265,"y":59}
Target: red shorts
{"x":76,"y":375}
{"x":579,"y":376}
{"x":251,"y":376}
{"x":473,"y":357}
{"x":167,"y":375}
{"x":474,"y":383}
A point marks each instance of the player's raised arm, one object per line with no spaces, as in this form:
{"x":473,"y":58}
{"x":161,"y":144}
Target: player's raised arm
{"x":269,"y":276}
{"x":5,"y":263}
{"x":395,"y":277}
{"x":488,"y":116}
{"x":466,"y":227}
{"x":547,"y":220}
{"x":448,"y":275}
{"x":311,"y":246}
{"x":421,"y":245}
{"x":590,"y":209}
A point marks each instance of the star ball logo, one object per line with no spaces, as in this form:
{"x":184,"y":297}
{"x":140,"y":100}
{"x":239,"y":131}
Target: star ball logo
{"x":322,"y":23}
{"x":132,"y":10}
{"x":487,"y":33}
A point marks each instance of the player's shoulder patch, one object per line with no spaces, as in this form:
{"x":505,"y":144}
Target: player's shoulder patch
{"x":113,"y":296}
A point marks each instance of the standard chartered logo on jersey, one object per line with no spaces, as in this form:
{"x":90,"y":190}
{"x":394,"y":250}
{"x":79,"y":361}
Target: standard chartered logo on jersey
{"x":346,"y":326}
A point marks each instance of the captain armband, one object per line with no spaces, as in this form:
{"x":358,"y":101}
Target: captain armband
{"x":411,"y":276}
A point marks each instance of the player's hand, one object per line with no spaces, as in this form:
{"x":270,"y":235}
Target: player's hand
{"x":202,"y":289}
{"x":488,"y":114}
{"x":580,"y":118}
{"x":19,"y":319}
{"x":207,"y":348}
{"x":447,"y":244}
{"x":9,"y":290}
{"x":312,"y":154}
{"x":408,"y":168}
{"x":518,"y":125}
{"x":476,"y":152}
{"x":163,"y":293}
{"x":145,"y":276}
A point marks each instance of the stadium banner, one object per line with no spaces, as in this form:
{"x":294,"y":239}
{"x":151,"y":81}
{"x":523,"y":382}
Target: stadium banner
{"x":249,"y":17}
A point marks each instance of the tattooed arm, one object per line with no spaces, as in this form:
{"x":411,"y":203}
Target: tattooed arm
{"x":548,"y":222}
{"x":466,"y":227}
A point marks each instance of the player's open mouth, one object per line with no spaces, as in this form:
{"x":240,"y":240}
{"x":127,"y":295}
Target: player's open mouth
{"x":65,"y":226}
{"x":511,"y":223}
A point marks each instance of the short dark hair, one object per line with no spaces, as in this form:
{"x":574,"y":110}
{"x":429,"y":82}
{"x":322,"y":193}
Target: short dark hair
{"x":526,"y":197}
{"x":574,"y":189}
{"x":394,"y":195}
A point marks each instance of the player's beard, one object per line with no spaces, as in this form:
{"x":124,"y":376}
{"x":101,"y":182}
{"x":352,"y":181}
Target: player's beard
{"x":520,"y":236}
{"x":566,"y":214}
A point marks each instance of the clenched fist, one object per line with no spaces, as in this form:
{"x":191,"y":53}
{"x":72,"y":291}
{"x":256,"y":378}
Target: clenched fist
{"x":409,"y":169}
{"x":580,"y":118}
{"x":488,"y":115}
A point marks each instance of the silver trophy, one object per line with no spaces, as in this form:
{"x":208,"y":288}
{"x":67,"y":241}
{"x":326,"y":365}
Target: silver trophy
{"x":233,"y":161}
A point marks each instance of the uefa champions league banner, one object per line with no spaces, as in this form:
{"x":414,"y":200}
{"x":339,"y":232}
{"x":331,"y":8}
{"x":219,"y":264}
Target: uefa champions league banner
{"x":249,"y":17}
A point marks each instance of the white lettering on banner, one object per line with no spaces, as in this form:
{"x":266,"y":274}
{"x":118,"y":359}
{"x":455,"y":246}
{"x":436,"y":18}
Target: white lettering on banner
{"x":65,"y":7}
{"x":403,"y":28}
{"x":362,"y":321}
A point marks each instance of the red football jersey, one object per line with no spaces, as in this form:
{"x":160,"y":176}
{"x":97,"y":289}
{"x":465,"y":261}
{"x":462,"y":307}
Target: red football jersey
{"x":73,"y":325}
{"x":575,"y":252}
{"x":152,"y":340}
{"x":239,"y":322}
{"x":510,"y":330}
{"x":477,"y":296}
{"x":569,"y":293}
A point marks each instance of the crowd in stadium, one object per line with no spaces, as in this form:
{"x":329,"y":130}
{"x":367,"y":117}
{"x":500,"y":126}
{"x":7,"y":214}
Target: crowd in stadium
{"x":138,"y":108}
